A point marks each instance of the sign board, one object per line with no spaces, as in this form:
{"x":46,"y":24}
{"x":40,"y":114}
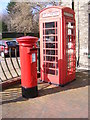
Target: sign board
{"x":51,"y":14}
{"x":33,"y":57}
{"x":68,"y":14}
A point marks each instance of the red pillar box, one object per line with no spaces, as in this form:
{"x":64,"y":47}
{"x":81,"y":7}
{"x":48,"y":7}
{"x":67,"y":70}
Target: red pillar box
{"x":28,"y":58}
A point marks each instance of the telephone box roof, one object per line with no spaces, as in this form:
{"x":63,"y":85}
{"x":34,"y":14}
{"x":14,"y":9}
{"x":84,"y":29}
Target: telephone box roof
{"x":59,"y":7}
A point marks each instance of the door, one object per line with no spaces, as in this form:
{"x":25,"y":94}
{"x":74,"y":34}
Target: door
{"x":70,"y":46}
{"x":50,"y":51}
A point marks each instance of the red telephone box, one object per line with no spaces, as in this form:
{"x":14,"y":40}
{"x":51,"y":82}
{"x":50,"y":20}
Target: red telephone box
{"x":57,"y":44}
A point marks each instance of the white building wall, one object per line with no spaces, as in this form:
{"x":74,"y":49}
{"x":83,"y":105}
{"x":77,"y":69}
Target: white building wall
{"x":81,"y":9}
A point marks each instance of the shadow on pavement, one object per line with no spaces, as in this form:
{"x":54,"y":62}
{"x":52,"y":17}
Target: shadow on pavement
{"x":81,"y":81}
{"x":14,"y":94}
{"x":14,"y":100}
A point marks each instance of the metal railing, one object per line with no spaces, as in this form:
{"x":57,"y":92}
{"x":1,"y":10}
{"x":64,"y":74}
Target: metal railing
{"x":10,"y":66}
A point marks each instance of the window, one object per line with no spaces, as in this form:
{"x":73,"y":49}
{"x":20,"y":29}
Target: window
{"x":50,"y":48}
{"x":70,"y":45}
{"x":11,"y":43}
{"x":50,"y":25}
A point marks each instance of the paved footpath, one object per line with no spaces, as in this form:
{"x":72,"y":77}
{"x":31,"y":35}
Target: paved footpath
{"x":70,"y":101}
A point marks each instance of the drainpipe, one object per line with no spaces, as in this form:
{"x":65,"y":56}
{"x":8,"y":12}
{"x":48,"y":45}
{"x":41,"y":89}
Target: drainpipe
{"x":73,"y":4}
{"x":88,"y":31}
{"x":78,"y":39}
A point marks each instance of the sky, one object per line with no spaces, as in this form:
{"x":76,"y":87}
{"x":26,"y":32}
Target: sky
{"x":3,"y":4}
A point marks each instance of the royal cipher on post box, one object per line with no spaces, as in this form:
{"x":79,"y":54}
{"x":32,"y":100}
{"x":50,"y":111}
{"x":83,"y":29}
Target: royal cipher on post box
{"x":28,"y":59}
{"x":57,"y":44}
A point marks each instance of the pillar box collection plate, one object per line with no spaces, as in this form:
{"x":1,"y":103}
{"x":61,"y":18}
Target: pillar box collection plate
{"x":28,"y":60}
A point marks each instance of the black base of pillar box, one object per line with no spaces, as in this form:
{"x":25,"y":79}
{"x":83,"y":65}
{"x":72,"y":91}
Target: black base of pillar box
{"x":30,"y":92}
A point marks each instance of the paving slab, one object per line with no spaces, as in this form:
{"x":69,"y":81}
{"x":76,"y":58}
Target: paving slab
{"x":70,"y":101}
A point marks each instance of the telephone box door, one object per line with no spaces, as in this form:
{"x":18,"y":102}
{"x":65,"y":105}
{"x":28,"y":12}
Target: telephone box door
{"x":50,"y":52}
{"x":70,"y":49}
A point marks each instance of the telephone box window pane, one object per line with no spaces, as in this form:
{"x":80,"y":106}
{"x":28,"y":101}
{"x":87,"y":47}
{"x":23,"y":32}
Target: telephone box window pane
{"x":56,"y":52}
{"x":43,"y":51}
{"x":72,"y":32}
{"x":50,"y":38}
{"x":56,"y":59}
{"x":57,"y":65}
{"x":50,"y":25}
{"x":50,"y":65}
{"x":56,"y":31}
{"x":68,"y":38}
{"x":56,"y":24}
{"x":50,"y":52}
{"x":69,"y":31}
{"x":49,"y":58}
{"x":44,"y":65}
{"x":56,"y":45}
{"x":50,"y":45}
{"x":46,"y":38}
{"x":56,"y":72}
{"x":44,"y":58}
{"x":43,"y":25}
{"x":70,"y":25}
{"x":56,"y":38}
{"x":43,"y":32}
{"x":48,"y":71}
{"x":48,"y":32}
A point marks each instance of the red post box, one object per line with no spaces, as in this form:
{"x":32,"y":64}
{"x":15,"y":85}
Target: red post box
{"x":28,"y":59}
{"x":57,"y":44}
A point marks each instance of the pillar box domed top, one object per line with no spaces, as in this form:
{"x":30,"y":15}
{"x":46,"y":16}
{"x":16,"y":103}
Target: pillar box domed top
{"x":27,"y":40}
